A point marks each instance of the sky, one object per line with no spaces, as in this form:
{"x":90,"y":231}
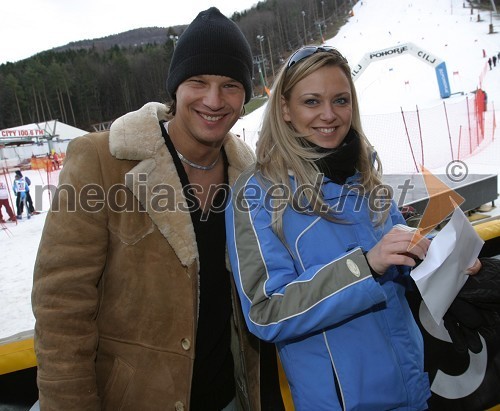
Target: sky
{"x":32,"y":26}
{"x":381,"y":90}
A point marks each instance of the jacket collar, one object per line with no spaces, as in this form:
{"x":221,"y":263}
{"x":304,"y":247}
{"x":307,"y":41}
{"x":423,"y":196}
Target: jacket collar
{"x":137,"y":136}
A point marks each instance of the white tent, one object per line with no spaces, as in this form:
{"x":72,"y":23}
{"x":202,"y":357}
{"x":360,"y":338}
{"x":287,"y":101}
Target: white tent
{"x":18,"y":144}
{"x":49,"y":129}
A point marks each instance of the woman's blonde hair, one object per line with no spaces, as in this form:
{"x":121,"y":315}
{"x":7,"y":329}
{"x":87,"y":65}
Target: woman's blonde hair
{"x":282,"y":151}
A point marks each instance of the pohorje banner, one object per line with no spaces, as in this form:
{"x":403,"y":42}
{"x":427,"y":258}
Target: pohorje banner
{"x":408,"y":48}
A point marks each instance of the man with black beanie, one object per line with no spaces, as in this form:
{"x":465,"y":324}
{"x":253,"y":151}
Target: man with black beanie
{"x":135,"y":308}
{"x":212,"y":44}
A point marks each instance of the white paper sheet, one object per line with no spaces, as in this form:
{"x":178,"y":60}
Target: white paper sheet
{"x":442,"y":273}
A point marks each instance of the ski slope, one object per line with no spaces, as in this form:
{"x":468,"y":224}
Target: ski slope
{"x":443,"y":27}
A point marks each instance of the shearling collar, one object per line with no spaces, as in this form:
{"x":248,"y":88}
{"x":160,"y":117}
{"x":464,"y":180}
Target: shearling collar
{"x":137,"y":136}
{"x":138,"y":126}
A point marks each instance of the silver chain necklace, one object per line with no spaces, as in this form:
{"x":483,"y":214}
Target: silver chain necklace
{"x":198,"y":166}
{"x":190,"y":163}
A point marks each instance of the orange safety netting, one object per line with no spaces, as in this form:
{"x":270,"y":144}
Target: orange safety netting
{"x":47,"y":163}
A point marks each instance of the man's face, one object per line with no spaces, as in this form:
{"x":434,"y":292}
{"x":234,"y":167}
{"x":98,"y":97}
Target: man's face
{"x":208,"y":106}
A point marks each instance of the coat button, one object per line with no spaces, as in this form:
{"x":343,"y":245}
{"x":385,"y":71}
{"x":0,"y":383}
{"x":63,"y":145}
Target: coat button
{"x":186,"y":344}
{"x":179,"y":406}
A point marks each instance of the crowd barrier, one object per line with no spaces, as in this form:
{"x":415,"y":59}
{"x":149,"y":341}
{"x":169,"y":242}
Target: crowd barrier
{"x":47,"y":163}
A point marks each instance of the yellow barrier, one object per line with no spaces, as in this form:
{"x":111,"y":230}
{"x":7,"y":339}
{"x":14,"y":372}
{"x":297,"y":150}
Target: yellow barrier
{"x":17,"y":353}
{"x":286,"y":394}
{"x":488,"y":230}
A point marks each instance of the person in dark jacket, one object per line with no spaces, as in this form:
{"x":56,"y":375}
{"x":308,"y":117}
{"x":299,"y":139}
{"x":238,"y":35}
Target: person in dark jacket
{"x":23,"y":198}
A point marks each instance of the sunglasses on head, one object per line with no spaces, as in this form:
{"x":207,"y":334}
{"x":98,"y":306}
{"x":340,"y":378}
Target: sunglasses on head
{"x":308,"y":51}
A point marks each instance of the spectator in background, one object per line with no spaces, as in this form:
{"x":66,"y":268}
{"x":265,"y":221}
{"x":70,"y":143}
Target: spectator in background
{"x":55,"y":161}
{"x":28,"y":200}
{"x":494,"y":61}
{"x":21,"y":190}
{"x":4,"y":202}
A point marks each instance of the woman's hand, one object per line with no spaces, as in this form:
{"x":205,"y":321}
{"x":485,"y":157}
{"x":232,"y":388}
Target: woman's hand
{"x":397,"y":247}
{"x":475,"y":268}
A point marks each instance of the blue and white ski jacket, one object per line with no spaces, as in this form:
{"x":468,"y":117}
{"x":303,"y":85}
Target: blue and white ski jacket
{"x":21,"y":185}
{"x":347,"y":341}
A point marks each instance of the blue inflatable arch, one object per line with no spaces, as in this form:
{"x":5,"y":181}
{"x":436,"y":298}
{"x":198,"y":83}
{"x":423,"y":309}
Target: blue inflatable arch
{"x":408,"y":48}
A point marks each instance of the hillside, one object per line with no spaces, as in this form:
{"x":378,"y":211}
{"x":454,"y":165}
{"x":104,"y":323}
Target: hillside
{"x":131,"y":38}
{"x":96,"y":80}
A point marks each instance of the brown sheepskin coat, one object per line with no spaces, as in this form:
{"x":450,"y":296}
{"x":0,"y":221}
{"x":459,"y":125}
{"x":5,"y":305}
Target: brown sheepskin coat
{"x":115,"y":292}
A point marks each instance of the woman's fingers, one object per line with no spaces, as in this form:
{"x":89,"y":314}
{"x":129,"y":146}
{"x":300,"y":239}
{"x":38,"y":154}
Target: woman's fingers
{"x":475,"y":268}
{"x":410,"y":244}
{"x":397,"y":247}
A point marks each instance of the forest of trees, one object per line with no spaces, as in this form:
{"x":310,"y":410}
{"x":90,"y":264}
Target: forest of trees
{"x":86,"y":86}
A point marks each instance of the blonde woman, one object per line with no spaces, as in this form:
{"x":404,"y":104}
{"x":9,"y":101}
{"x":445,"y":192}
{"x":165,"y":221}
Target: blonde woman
{"x":320,"y":267}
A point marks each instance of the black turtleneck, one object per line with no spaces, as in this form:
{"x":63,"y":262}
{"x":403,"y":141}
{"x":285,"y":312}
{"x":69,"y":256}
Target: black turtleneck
{"x":339,"y":163}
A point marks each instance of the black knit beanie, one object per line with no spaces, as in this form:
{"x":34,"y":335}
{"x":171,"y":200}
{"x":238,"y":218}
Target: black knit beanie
{"x":212,"y":44}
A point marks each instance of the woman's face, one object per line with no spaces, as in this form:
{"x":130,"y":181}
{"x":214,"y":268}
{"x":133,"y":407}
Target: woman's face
{"x":320,"y":107}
